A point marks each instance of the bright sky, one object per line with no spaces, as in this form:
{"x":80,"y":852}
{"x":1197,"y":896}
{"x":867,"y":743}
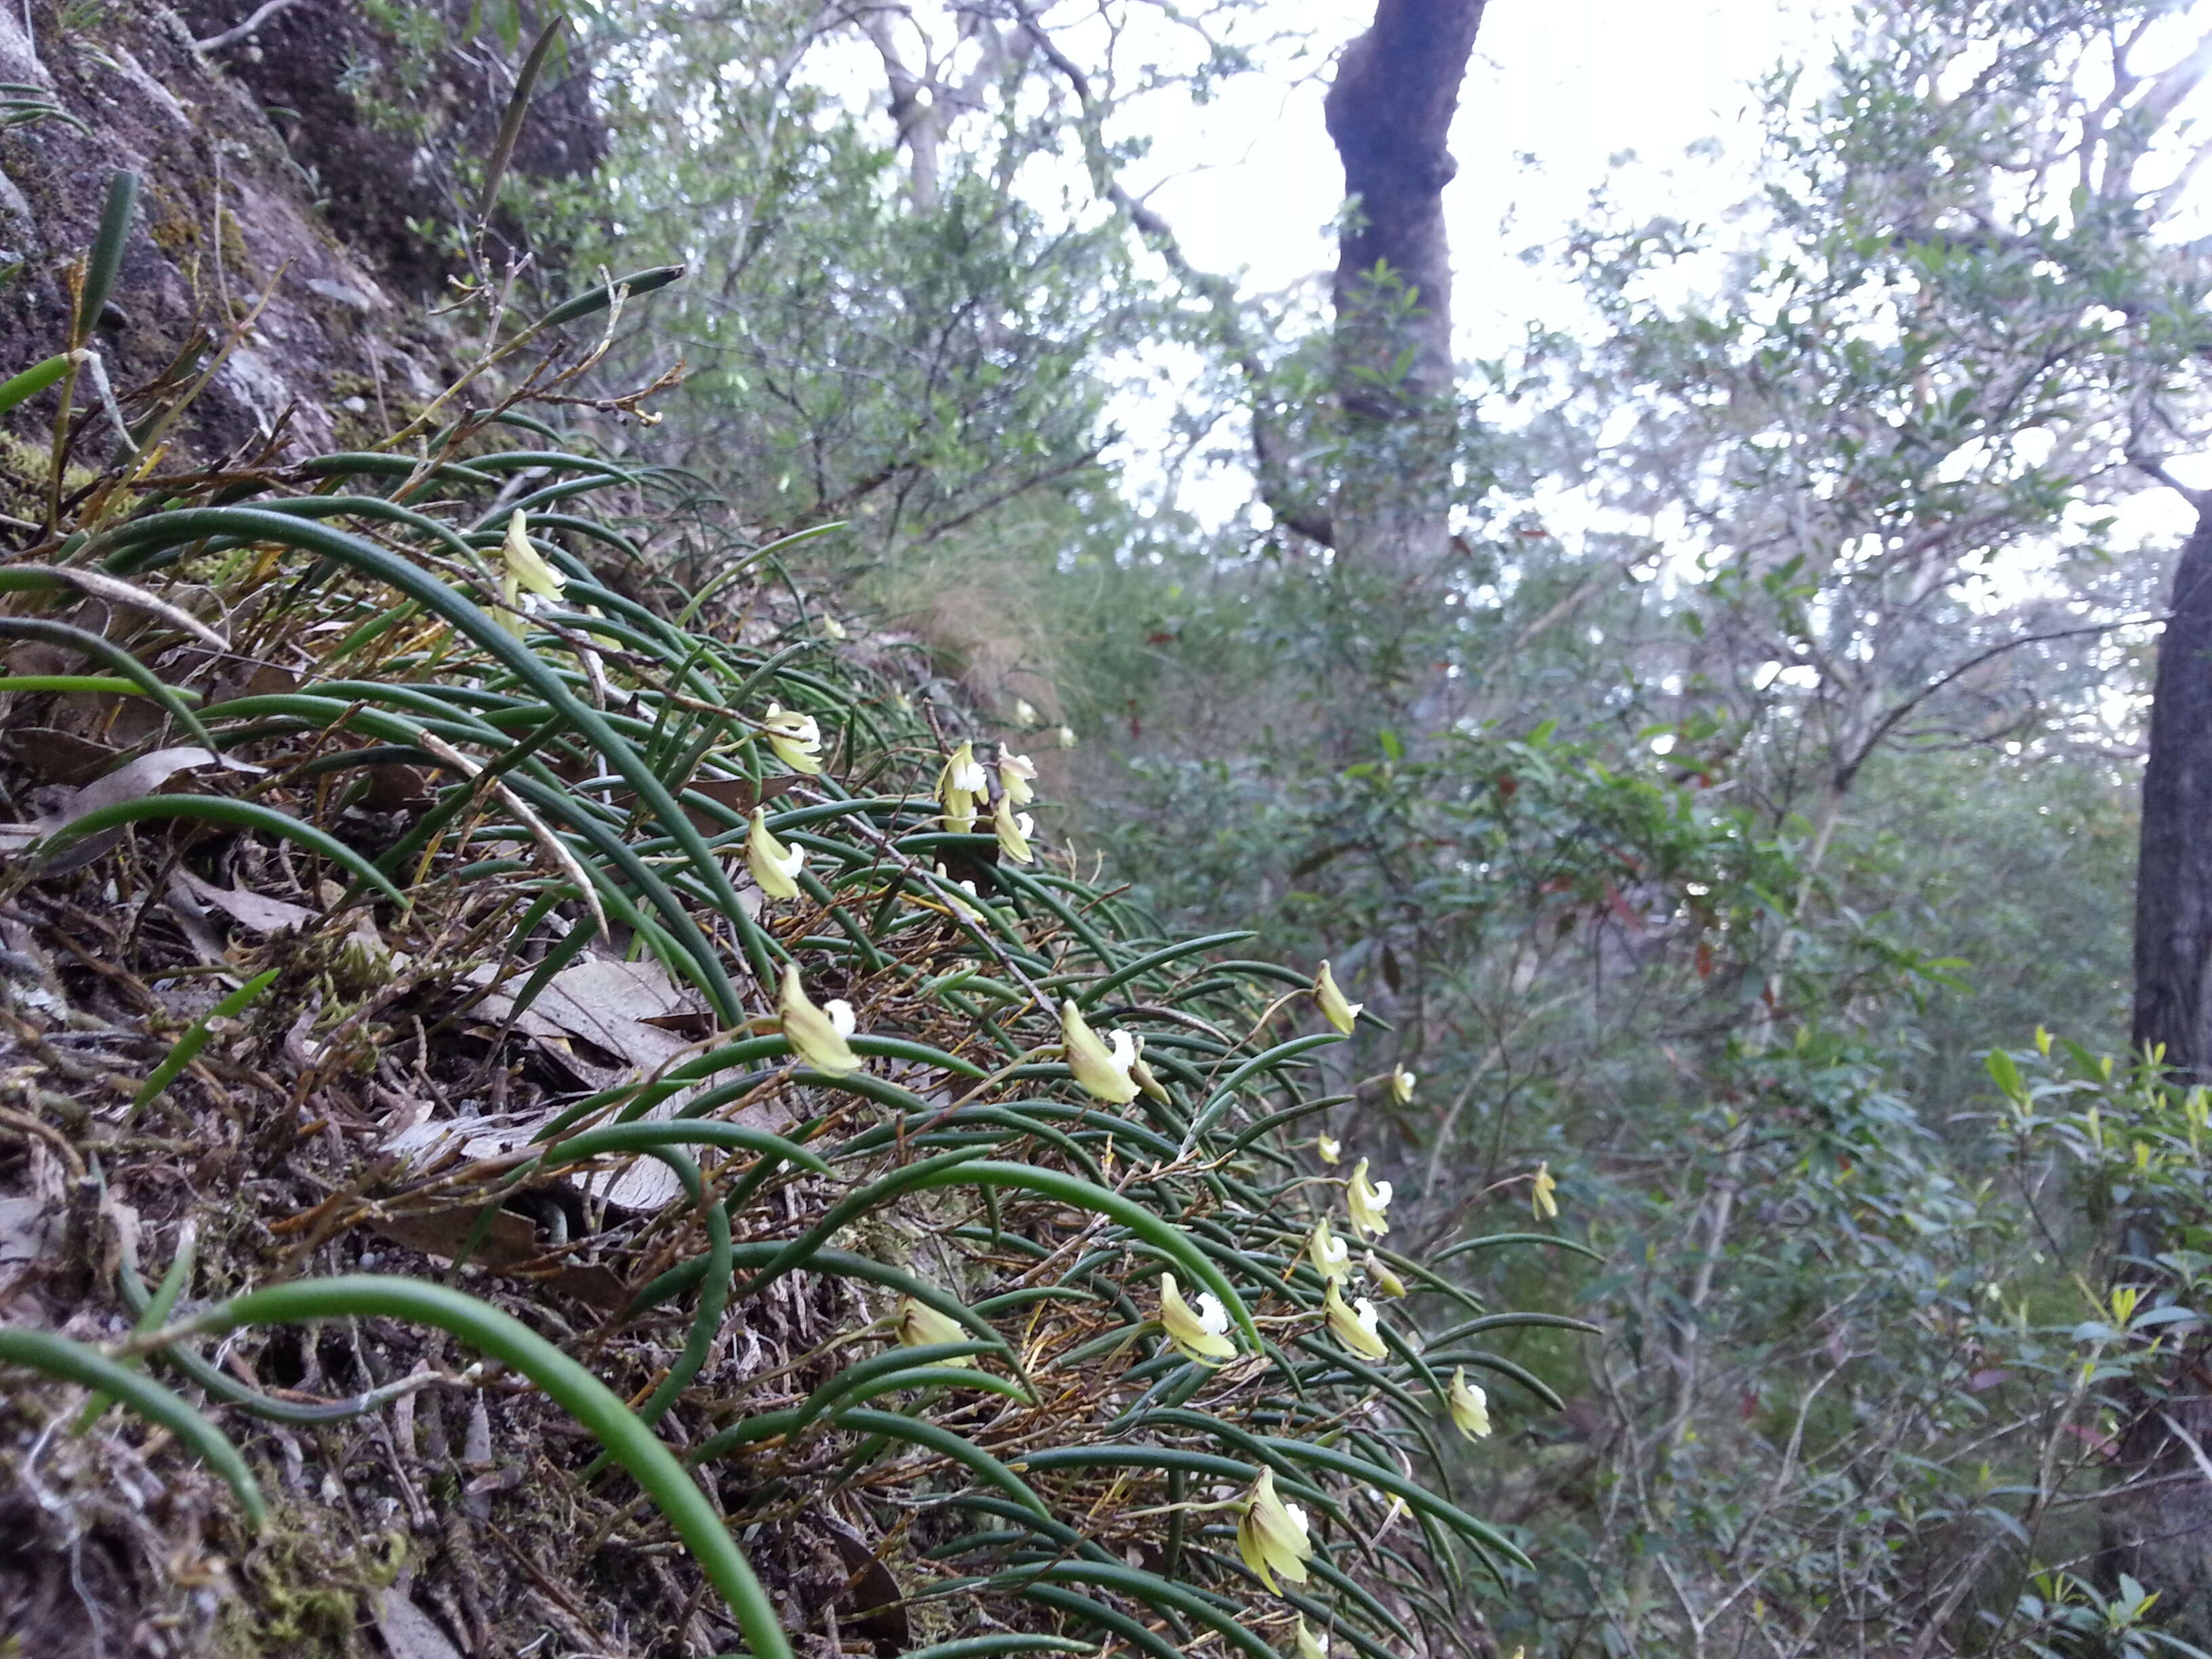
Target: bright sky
{"x":1560,"y":93}
{"x":1563,"y":97}
{"x":1568,"y":84}
{"x":1557,"y":92}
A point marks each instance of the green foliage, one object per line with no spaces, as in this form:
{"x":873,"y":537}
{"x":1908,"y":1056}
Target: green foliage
{"x":589,"y":765}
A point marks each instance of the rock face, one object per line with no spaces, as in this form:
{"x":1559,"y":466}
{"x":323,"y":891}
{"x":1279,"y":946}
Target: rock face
{"x":271,"y":192}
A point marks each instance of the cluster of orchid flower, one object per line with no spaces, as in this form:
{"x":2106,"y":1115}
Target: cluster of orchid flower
{"x":963,"y":786}
{"x":1272,"y":1536}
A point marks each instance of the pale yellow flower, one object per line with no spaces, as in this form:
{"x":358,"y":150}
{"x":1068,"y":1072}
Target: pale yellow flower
{"x":1310,"y":1646}
{"x":1103,"y":1072}
{"x":523,"y":570}
{"x":526,"y":565}
{"x":796,"y":739}
{"x":1401,"y":1086}
{"x":1470,"y":1406}
{"x":1385,"y":1281}
{"x":832,"y":628}
{"x":1354,"y":1325}
{"x":816,"y":1035}
{"x":1329,"y":1147}
{"x":1540,"y":1194}
{"x":1013,"y":830}
{"x":919,"y":1326}
{"x":1024,"y":713}
{"x":1202,"y":1335}
{"x":1015,"y":773}
{"x":1367,"y":1200}
{"x":1330,"y":1256}
{"x":1065,"y":737}
{"x":773,"y":864}
{"x":958,"y":786}
{"x":1272,"y":1536}
{"x":1335,"y":1009}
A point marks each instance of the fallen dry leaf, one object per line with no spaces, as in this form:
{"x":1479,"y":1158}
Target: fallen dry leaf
{"x":603,"y":1002}
{"x":408,"y":1631}
{"x":261,"y":914}
{"x":55,"y":756}
{"x":143,"y":776}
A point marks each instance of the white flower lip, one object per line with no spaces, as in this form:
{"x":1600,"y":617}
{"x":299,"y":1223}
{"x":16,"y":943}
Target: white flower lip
{"x":1212,"y":1313}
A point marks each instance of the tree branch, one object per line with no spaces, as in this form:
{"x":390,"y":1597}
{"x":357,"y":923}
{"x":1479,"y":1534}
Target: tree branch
{"x":1270,"y":449}
{"x":1890,"y":721}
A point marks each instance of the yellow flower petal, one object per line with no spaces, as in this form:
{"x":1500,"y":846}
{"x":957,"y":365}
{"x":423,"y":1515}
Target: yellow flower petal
{"x":965,"y":907}
{"x":1367,"y":1200}
{"x":1355,"y":1325}
{"x":1013,"y":830}
{"x":1540,"y":1194}
{"x":958,"y":786}
{"x":1330,"y":1256}
{"x":1335,"y":1009}
{"x":1329,"y":1147}
{"x":816,"y":1035}
{"x":1272,"y":1536}
{"x":1015,"y":773}
{"x":774,"y":865}
{"x":526,"y":566}
{"x":1141,"y":1075}
{"x":1201,"y":1334}
{"x":1470,"y":1406}
{"x":1103,"y":1074}
{"x":1401,"y":1086}
{"x":1310,"y":1646}
{"x":919,"y":1325}
{"x":796,"y":739}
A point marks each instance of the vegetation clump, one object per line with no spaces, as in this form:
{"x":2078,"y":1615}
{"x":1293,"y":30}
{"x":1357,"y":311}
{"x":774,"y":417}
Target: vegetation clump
{"x":596,"y":1038}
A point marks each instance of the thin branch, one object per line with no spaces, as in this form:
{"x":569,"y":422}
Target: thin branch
{"x":1890,"y":721}
{"x":1270,"y":451}
{"x":231,"y":37}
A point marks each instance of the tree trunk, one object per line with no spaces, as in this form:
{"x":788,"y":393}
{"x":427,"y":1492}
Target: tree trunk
{"x":1389,"y":113}
{"x":2158,"y":1535}
{"x":2173,"y":881}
